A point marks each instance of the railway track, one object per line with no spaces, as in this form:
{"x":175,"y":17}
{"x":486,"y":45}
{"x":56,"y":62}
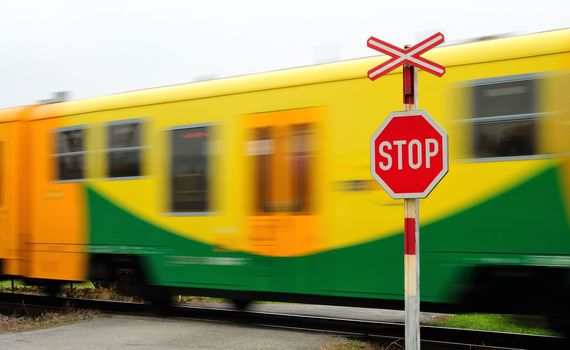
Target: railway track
{"x":432,"y":337}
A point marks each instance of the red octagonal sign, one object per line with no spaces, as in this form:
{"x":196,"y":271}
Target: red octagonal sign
{"x":408,"y":154}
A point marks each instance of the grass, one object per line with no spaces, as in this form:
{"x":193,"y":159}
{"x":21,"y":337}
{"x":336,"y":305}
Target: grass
{"x":491,"y":322}
{"x":355,"y":344}
{"x":494,"y":322}
{"x":190,"y":299}
{"x":97,"y":293}
{"x":16,"y":323}
{"x":110,"y":294}
{"x":86,"y":290}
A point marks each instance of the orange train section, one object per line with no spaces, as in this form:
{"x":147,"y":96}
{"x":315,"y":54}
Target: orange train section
{"x":43,"y":230}
{"x":14,"y":205}
{"x":58,"y":235}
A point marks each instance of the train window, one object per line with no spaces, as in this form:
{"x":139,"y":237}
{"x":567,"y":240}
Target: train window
{"x":124,"y":149}
{"x":302,"y":155}
{"x":262,"y":148}
{"x":70,"y":153}
{"x":504,"y":118}
{"x":189,"y":169}
{"x":283,"y":158}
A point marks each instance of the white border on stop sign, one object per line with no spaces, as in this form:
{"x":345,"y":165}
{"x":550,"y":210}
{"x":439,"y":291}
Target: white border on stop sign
{"x":440,"y":175}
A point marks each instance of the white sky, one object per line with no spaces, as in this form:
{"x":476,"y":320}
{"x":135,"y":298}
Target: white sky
{"x":93,"y":48}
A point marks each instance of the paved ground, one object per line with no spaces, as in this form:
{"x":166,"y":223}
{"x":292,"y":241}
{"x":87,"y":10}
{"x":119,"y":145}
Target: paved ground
{"x":134,"y":333}
{"x":145,"y":333}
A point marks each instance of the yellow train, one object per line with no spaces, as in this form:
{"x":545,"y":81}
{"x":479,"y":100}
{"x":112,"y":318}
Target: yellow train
{"x":258,"y":187}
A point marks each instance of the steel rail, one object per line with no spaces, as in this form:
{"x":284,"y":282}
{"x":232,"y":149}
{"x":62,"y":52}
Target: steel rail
{"x":360,"y":328}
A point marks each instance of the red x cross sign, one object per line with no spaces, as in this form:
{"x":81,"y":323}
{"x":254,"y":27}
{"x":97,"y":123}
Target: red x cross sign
{"x":410,"y":55}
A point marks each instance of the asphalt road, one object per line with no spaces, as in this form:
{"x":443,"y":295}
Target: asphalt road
{"x":138,"y":333}
{"x":132,"y":332}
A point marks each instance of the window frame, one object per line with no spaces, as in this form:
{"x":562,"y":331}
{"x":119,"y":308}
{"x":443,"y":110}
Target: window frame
{"x":108,"y":150}
{"x":56,"y":155}
{"x":169,"y":149}
{"x":472,"y":121}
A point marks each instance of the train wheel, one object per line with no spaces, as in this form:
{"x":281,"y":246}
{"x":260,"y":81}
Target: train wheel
{"x":241,"y":304}
{"x":160,"y":299}
{"x":560,"y":323}
{"x":52,"y":289}
{"x":558,"y":317}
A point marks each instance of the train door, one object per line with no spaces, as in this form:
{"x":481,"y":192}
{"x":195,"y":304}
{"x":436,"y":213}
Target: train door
{"x":58,"y":231}
{"x":282,"y":220}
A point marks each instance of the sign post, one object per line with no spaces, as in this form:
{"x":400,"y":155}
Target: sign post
{"x":411,"y":233}
{"x":408,"y":158}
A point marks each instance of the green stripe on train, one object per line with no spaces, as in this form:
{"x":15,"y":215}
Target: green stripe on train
{"x":528,"y":220}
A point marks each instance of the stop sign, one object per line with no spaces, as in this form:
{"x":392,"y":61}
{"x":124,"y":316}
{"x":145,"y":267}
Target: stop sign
{"x":408,"y":154}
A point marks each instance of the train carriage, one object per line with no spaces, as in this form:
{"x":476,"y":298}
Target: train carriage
{"x":258,"y":187}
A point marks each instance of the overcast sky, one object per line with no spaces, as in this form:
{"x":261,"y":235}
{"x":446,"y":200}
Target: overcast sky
{"x":93,"y":48}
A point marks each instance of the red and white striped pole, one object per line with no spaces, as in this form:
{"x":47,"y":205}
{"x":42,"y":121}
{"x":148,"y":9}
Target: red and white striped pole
{"x":411,"y":233}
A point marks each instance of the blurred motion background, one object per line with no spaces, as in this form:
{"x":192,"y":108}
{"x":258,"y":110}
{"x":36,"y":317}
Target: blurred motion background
{"x":93,"y":48}
{"x":258,"y":187}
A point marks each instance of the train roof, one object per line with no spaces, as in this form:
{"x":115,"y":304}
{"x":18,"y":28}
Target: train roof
{"x":17,"y":113}
{"x":10,"y":114}
{"x":449,"y":56}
